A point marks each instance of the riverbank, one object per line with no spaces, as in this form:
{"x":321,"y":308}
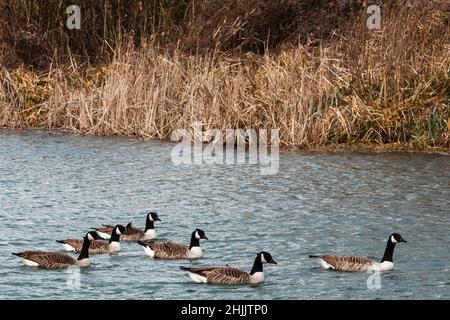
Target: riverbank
{"x":324,"y":149}
{"x":339,"y":88}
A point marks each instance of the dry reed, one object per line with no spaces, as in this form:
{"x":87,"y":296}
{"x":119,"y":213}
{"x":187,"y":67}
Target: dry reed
{"x":387,"y":87}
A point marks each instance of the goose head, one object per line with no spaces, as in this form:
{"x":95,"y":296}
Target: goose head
{"x":266,"y":257}
{"x":92,"y":235}
{"x":396,"y":237}
{"x":120,"y":230}
{"x":200,"y":234}
{"x":153,"y":216}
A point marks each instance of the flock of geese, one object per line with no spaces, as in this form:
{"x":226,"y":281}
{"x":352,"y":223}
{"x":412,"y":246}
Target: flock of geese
{"x":106,"y":240}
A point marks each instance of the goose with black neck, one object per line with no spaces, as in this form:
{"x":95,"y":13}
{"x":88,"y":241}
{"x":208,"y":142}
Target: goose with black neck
{"x":171,"y":250}
{"x":229,"y":275}
{"x":56,"y":260}
{"x":361,"y":264}
{"x":97,"y":246}
{"x":133,"y":233}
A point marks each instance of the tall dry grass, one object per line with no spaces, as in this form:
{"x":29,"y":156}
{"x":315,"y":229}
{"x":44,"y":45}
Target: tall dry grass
{"x":358,"y":86}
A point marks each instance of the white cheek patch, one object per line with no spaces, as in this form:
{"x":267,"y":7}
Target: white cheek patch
{"x":263,"y":260}
{"x":90,"y":237}
{"x":393,"y":239}
{"x":150,"y":217}
{"x":118,"y":232}
{"x":197,"y":236}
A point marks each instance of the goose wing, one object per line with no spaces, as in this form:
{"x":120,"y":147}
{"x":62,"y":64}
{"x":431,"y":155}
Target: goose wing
{"x":97,"y":246}
{"x":347,"y":263}
{"x":221,"y":275}
{"x":133,"y":234}
{"x":106,"y":228}
{"x":228,"y":275}
{"x":169,"y":250}
{"x":133,"y":237}
{"x":132,"y":230}
{"x":51,"y":260}
{"x":77,"y":244}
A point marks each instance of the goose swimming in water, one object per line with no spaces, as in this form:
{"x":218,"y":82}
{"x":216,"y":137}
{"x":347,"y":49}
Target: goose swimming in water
{"x":229,"y":275}
{"x":361,"y":264}
{"x":171,"y":250}
{"x":97,"y":246}
{"x":56,"y":260}
{"x":133,"y":234}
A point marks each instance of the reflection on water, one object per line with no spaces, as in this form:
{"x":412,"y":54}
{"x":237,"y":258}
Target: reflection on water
{"x":53,"y":187}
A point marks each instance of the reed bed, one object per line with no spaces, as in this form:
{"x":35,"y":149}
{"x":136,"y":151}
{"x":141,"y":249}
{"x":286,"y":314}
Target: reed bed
{"x":350,"y":85}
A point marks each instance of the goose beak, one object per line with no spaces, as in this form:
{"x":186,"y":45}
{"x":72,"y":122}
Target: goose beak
{"x":205,"y":237}
{"x":403,"y":240}
{"x":273,"y":261}
{"x":157,"y":219}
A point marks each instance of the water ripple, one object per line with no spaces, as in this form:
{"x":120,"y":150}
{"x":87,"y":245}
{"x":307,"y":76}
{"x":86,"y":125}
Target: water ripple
{"x":59,"y":186}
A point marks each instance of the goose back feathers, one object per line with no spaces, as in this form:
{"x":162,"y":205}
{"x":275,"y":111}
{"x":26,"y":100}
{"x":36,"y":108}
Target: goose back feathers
{"x":361,"y":264}
{"x":56,"y":260}
{"x":171,"y":250}
{"x":48,"y":260}
{"x":97,"y":246}
{"x":230,"y":275}
{"x":345,"y":263}
{"x":133,"y":233}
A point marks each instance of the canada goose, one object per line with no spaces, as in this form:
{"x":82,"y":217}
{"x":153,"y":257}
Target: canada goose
{"x":362,"y":264}
{"x":97,"y":246}
{"x":171,"y":250}
{"x":229,"y":275}
{"x":133,"y":234}
{"x":56,"y":260}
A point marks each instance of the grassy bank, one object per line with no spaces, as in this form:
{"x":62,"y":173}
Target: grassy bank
{"x":310,"y":68}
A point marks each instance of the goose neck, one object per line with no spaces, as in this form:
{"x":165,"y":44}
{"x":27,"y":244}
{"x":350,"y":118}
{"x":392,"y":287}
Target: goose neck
{"x":84,"y":253}
{"x":257,"y":266}
{"x":389,"y":252}
{"x":194,"y":241}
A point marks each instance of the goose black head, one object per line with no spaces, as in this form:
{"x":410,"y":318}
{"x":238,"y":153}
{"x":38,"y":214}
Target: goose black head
{"x":200,"y":234}
{"x":92,"y":235}
{"x":396,"y":237}
{"x":266,"y":257}
{"x":120,"y":229}
{"x":153,"y":216}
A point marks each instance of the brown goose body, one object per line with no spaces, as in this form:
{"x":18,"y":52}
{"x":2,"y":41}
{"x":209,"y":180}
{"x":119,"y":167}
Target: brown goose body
{"x":230,"y":275}
{"x":56,"y":260}
{"x":221,"y":275}
{"x":97,"y":246}
{"x":361,"y":264}
{"x":132,"y":233}
{"x":172,"y":250}
{"x":169,"y":250}
{"x":347,"y":263}
{"x":47,"y":260}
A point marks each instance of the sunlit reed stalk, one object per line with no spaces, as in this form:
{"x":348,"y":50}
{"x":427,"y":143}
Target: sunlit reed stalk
{"x":388,"y":87}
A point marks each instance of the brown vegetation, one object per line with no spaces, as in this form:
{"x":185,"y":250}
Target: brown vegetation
{"x":310,"y":68}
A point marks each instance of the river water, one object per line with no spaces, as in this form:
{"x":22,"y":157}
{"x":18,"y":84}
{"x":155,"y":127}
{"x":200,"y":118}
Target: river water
{"x":58,"y":186}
